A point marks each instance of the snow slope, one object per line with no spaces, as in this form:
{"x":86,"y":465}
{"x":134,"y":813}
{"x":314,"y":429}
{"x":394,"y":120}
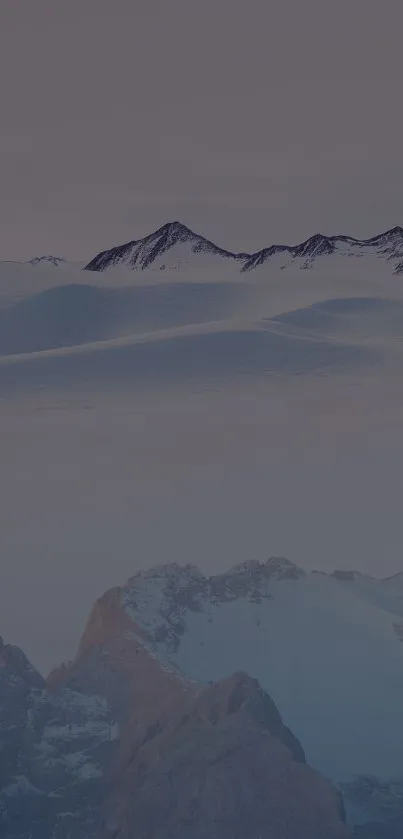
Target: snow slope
{"x":174,"y":246}
{"x":180,"y":395}
{"x":131,"y":327}
{"x":170,"y":247}
{"x":328,"y":648}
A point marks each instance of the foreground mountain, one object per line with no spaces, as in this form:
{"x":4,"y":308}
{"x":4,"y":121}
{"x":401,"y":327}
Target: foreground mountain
{"x":316,"y":643}
{"x":174,"y":246}
{"x":183,"y":763}
{"x":55,"y":747}
{"x":163,"y":726}
{"x":327,"y":648}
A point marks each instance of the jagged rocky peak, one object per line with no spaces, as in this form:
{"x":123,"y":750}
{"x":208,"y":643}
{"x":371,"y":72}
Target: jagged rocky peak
{"x":175,"y":575}
{"x":316,"y":245}
{"x":176,"y":231}
{"x":226,"y":767}
{"x":56,"y":746}
{"x":170,"y":246}
{"x":170,"y":572}
{"x":392,"y":236}
{"x":276,"y":567}
{"x":252,"y":579}
{"x":259,"y":258}
{"x":56,"y":261}
{"x":388,"y":245}
{"x":160,"y":600}
{"x":15,"y":665}
{"x":188,"y":761}
{"x":174,"y":245}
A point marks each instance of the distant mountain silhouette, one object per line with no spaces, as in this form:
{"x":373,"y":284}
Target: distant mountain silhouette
{"x":174,"y":245}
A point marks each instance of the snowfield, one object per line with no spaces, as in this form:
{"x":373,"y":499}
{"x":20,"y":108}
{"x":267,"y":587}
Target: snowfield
{"x":327,"y":648}
{"x":210,"y":411}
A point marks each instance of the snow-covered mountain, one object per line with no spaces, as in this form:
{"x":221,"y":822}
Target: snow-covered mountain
{"x":115,"y":745}
{"x":174,"y":246}
{"x":170,"y":247}
{"x":56,"y":261}
{"x":55,"y":746}
{"x":154,"y":713}
{"x":387,"y":245}
{"x":328,"y":649}
{"x":161,"y":653}
{"x":168,"y":702}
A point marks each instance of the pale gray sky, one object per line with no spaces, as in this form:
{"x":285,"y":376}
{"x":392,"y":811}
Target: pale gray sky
{"x":251,"y":122}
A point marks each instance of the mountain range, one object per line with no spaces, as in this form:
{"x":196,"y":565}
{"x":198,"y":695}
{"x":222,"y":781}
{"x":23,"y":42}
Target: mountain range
{"x":174,"y":245}
{"x":56,"y":261}
{"x":167,"y":724}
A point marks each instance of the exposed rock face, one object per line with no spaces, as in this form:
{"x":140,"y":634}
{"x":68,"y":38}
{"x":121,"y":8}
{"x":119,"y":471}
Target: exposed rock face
{"x":174,"y":245}
{"x":173,"y":242}
{"x":56,"y":261}
{"x":55,"y":750}
{"x":117,"y":744}
{"x":226,"y":768}
{"x":313,"y":640}
{"x":147,"y":734}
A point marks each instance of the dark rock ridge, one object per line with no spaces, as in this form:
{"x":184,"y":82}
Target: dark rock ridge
{"x":115,"y":744}
{"x":144,"y":252}
{"x":56,"y":261}
{"x":225,"y":768}
{"x":119,"y":743}
{"x":55,"y":749}
{"x":151,"y":250}
{"x":280,"y":623}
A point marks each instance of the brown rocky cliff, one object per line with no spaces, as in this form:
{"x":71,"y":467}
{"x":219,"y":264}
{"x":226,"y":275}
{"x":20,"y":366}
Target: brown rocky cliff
{"x":195,"y":761}
{"x":115,"y":660}
{"x":224,"y":768}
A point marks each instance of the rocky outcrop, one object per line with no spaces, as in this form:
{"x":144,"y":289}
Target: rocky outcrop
{"x":174,"y":244}
{"x":195,"y":761}
{"x":160,"y":246}
{"x":56,"y":747}
{"x":225,"y":768}
{"x":119,"y":744}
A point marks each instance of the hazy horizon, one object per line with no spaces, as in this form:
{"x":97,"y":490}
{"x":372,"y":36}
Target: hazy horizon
{"x":214,"y":239}
{"x":114,"y":121}
{"x":253,"y":125}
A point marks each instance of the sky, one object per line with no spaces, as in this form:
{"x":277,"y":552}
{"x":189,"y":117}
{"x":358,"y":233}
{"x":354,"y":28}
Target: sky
{"x":96,"y":487}
{"x":253,"y":123}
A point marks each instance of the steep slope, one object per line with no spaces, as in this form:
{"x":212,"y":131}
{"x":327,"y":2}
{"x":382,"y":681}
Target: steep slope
{"x":171,"y":246}
{"x":226,"y":768}
{"x":55,"y":750}
{"x":387,"y":246}
{"x":182,"y":762}
{"x":175,"y":246}
{"x":327,"y":648}
{"x":195,"y":762}
{"x":56,"y":261}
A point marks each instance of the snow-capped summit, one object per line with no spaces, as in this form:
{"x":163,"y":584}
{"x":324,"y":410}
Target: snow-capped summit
{"x":317,"y":245}
{"x":56,"y":261}
{"x":171,"y":246}
{"x":314,"y":641}
{"x":174,"y":245}
{"x":392,"y":238}
{"x":178,"y":694}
